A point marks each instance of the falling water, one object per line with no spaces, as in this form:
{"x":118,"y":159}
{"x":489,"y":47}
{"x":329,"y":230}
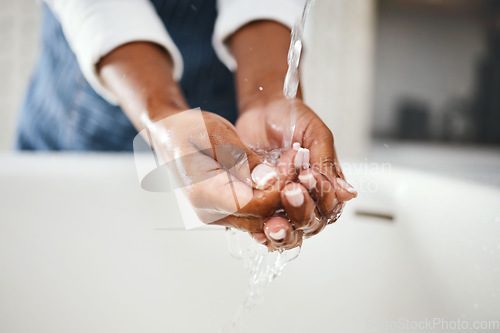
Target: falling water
{"x":292,"y":77}
{"x":263,"y":266}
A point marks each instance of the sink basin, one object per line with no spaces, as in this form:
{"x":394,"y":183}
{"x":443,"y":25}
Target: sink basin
{"x":84,"y":249}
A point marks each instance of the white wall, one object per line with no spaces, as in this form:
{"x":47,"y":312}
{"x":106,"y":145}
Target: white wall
{"x":337,"y":70}
{"x":432,"y":57}
{"x":18,"y":47}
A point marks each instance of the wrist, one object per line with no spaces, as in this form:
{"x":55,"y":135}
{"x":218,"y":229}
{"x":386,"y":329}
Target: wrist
{"x":260,"y":49}
{"x":164,"y":106}
{"x":140,"y":74}
{"x":258,"y":93}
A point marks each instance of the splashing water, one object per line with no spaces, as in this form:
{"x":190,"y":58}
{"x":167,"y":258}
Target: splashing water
{"x":263,"y":266}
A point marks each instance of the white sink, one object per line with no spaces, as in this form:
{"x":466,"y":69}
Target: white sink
{"x":84,"y":249}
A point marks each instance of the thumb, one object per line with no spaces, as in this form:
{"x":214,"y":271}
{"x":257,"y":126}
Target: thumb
{"x":227,"y":148}
{"x":237,"y":158}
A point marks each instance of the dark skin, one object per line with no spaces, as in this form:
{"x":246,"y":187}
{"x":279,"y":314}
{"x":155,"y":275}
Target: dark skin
{"x":260,"y":49}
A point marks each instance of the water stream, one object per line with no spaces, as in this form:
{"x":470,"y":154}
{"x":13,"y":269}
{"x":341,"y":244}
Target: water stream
{"x":263,"y":266}
{"x":292,"y":78}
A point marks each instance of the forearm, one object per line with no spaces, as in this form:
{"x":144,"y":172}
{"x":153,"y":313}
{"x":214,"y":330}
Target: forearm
{"x":260,"y":49}
{"x":140,"y":75}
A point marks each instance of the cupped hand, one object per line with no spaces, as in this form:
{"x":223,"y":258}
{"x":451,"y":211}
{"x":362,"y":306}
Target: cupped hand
{"x":214,"y":166}
{"x":318,"y":191}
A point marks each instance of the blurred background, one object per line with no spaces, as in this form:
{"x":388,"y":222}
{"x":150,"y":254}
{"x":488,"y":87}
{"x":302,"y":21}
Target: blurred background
{"x":437,"y":68}
{"x":388,"y":71}
{"x":19,"y":22}
{"x":405,"y":85}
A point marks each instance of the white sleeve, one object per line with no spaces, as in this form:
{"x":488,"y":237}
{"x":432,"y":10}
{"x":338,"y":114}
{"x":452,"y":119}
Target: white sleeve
{"x":233,"y":14}
{"x":93,"y":28}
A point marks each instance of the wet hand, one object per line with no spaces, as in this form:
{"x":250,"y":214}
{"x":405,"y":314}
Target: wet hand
{"x":210,"y":162}
{"x":318,"y":191}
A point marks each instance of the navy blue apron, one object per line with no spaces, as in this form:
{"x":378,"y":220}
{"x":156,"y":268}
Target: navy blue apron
{"x":62,"y":112}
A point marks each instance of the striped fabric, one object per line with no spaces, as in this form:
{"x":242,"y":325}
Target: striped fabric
{"x":62,"y":112}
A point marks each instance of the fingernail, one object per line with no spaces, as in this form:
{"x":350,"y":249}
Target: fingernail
{"x":308,"y":180}
{"x":278,"y":235}
{"x":296,"y":146}
{"x":263,"y":175}
{"x":346,"y":186}
{"x":299,"y":158}
{"x":305,"y":161}
{"x":295,"y":197}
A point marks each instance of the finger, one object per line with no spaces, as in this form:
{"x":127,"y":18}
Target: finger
{"x":298,"y":204}
{"x":287,"y":172}
{"x":281,"y":235}
{"x":302,"y":158}
{"x":238,"y":159}
{"x":265,"y":175}
{"x":259,"y":237}
{"x":344,"y":190}
{"x":228,"y":149}
{"x":317,"y":224}
{"x":242,"y":223}
{"x":295,"y":241}
{"x":319,"y":140}
{"x":224,"y":195}
{"x":321,"y":190}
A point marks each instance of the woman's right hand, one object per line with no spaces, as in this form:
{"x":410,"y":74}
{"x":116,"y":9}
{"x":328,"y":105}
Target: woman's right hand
{"x":211,"y":161}
{"x":208,"y":160}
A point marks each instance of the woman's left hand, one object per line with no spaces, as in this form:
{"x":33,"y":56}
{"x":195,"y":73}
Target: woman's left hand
{"x":318,"y":190}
